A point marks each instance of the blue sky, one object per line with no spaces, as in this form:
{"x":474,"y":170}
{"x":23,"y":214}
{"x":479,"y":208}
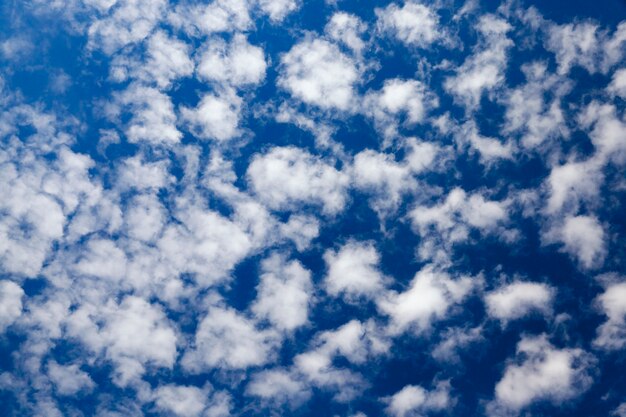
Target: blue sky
{"x":312,"y":208}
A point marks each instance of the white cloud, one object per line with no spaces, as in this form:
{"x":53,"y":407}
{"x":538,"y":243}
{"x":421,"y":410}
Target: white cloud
{"x":318,"y":73}
{"x":607,"y":130}
{"x":353,"y":271}
{"x":168,"y":60}
{"x":237,"y":63}
{"x":573,"y":183}
{"x":285,"y":177}
{"x":129,"y":21}
{"x":443,"y":225}
{"x":347,"y":29}
{"x":278,"y":385}
{"x":542,"y":372}
{"x":398,"y":100}
{"x":429,"y":298}
{"x":132,"y":334}
{"x":144,"y":218}
{"x":583,"y":239}
{"x":585,"y":45}
{"x":530,"y":114}
{"x":180,"y":400}
{"x":69,"y":379}
{"x":612,"y":333}
{"x":618,"y":83}
{"x":217,"y":16}
{"x":490,"y":149}
{"x":227,"y":339}
{"x":413,"y":24}
{"x":484,"y":70}
{"x":11,"y":296}
{"x":414,"y":401}
{"x":519,"y":299}
{"x":153,"y":119}
{"x":277,"y":10}
{"x":283,"y":293}
{"x":388,"y":180}
{"x":216,"y":116}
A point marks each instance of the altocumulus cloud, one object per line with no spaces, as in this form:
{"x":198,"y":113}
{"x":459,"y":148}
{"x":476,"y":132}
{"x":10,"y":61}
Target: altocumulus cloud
{"x":312,"y":208}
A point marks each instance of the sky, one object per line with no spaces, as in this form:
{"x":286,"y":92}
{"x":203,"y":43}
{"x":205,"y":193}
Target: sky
{"x":312,"y":208}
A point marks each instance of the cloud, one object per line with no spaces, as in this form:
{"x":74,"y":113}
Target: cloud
{"x":278,"y":386}
{"x":167,"y":60}
{"x":198,"y":20}
{"x":519,"y":299}
{"x":428,"y":298}
{"x":216,"y":117}
{"x":131,"y":334}
{"x":348,"y":30}
{"x":611,"y":335}
{"x":413,"y":400}
{"x":286,"y":177}
{"x":542,"y":372}
{"x":283,"y":293}
{"x":353,"y":271}
{"x":277,"y":10}
{"x":583,"y":238}
{"x":531,"y":114}
{"x":127,"y":22}
{"x":152,"y":120}
{"x":226,"y":339}
{"x":316,"y":72}
{"x":484,"y":70}
{"x":237,"y":63}
{"x":69,"y":379}
{"x":11,"y":296}
{"x":413,"y":24}
{"x":618,"y":83}
{"x":399,"y":99}
{"x":448,"y":223}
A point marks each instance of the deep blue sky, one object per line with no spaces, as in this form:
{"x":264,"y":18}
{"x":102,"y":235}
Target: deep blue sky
{"x":312,"y":208}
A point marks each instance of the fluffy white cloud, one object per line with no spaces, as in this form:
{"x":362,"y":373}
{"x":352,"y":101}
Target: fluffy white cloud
{"x":353,"y":271}
{"x":584,"y":44}
{"x":528,"y":111}
{"x":449,"y":222}
{"x":69,"y":379}
{"x":618,"y":83}
{"x":127,"y":22}
{"x":607,"y":130}
{"x":285,"y":177}
{"x":216,"y":116}
{"x":153,"y":119}
{"x":429,"y":298}
{"x":229,"y":340}
{"x":518,"y":299}
{"x":484,"y":70}
{"x":612,"y":302}
{"x":132,"y":334}
{"x":347,"y":29}
{"x":168,"y":59}
{"x":216,"y":16}
{"x":573,"y":183}
{"x":236,"y":63}
{"x":388,"y":180}
{"x":280,"y":386}
{"x":542,"y":372}
{"x":180,"y":400}
{"x":413,"y":400}
{"x":317,"y":72}
{"x":11,"y":296}
{"x":277,"y":10}
{"x":283,"y":293}
{"x":399,"y":99}
{"x":413,"y":24}
{"x":583,"y":239}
